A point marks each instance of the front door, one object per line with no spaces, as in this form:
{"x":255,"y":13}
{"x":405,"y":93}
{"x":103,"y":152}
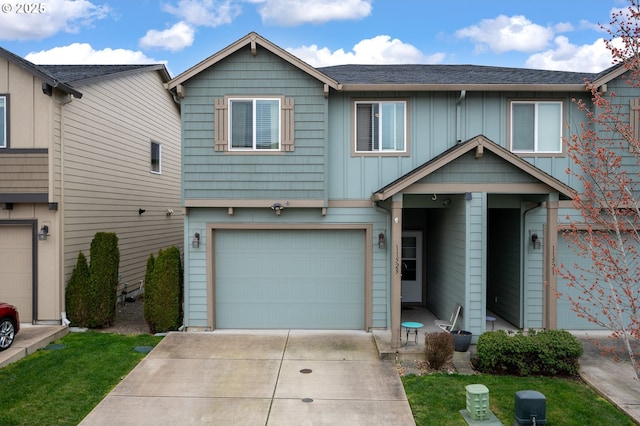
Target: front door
{"x":412,"y":267}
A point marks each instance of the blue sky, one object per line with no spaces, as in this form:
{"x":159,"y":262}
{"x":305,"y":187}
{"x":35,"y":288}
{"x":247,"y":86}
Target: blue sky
{"x":543,"y":34}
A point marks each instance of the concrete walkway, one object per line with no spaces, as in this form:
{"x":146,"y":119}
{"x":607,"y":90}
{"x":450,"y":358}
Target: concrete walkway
{"x":259,"y":378}
{"x":29,"y":339}
{"x":615,"y":381}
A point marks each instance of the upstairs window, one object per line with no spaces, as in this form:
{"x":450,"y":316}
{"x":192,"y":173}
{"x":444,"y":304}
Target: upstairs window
{"x":380,"y":126}
{"x":536,"y":126}
{"x":3,"y":122}
{"x":156,"y":157}
{"x":254,"y":124}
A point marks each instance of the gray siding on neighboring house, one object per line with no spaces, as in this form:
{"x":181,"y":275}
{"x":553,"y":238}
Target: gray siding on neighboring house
{"x":300,"y":174}
{"x":106,"y":174}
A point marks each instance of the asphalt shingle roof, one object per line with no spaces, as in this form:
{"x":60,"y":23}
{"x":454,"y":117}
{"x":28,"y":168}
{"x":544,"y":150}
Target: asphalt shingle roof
{"x":449,"y":74}
{"x":71,"y":74}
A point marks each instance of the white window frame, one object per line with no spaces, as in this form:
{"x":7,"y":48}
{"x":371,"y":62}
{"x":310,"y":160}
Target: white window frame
{"x":536,"y":126}
{"x":277,"y":121}
{"x":159,"y":145}
{"x":4,"y":134}
{"x":380,"y":149}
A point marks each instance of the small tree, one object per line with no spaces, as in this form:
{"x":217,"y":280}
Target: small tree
{"x":163,"y":294}
{"x":77,"y":297}
{"x":605,"y":152}
{"x":105,"y":261}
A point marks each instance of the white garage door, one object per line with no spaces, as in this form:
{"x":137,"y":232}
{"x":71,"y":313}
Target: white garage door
{"x":306,"y":279}
{"x":15,"y":269}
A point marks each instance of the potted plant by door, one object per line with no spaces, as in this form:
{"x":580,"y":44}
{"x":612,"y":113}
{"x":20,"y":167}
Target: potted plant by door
{"x":461,"y":340}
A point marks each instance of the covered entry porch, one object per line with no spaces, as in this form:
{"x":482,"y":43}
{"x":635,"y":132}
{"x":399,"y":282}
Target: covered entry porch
{"x":475,"y":209}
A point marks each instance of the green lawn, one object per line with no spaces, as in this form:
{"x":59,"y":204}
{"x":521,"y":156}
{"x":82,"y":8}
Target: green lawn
{"x":60,"y":387}
{"x":437,"y":399}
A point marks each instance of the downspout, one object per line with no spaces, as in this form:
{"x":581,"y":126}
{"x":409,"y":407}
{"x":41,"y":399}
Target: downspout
{"x":463,"y":95}
{"x":63,"y":315}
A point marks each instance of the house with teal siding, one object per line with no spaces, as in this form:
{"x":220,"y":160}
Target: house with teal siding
{"x":329,"y":198}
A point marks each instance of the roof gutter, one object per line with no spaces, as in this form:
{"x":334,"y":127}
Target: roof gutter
{"x":464,"y":87}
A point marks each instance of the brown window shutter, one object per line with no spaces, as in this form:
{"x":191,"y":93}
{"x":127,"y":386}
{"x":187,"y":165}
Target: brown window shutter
{"x":287,"y":127}
{"x":221,"y":120}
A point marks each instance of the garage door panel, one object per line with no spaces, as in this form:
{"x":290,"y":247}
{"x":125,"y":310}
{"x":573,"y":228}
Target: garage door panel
{"x":16,"y":269}
{"x":290,"y":279}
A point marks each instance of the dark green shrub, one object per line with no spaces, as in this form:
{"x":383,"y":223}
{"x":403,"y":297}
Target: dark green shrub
{"x":149,"y":289}
{"x":548,"y":353}
{"x":76,"y":295}
{"x":103,"y":269}
{"x":439,"y":348}
{"x":163,"y":293}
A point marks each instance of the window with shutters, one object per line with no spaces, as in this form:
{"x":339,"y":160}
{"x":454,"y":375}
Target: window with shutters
{"x":248,"y":124}
{"x":380,"y":127}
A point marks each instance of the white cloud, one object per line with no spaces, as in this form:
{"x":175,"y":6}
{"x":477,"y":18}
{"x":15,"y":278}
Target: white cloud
{"x":83,"y":53}
{"x":503,"y":34}
{"x":206,"y":13}
{"x":291,"y":13}
{"x":378,"y":50}
{"x":176,"y":38}
{"x":58,"y":15}
{"x":570,"y":57}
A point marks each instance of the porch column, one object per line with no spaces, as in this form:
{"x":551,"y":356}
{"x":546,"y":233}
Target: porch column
{"x":550,"y":263}
{"x":396,"y":270}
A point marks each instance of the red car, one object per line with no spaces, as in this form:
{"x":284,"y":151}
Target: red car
{"x":9,"y":325}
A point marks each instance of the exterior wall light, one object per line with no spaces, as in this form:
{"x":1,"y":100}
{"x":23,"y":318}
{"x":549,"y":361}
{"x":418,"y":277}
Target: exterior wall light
{"x":277,"y":207}
{"x":195,"y":243}
{"x":43,"y":233}
{"x":382,"y":240}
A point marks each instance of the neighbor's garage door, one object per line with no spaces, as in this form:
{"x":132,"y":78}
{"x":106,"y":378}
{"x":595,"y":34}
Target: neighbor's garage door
{"x":308,"y":279}
{"x":15,"y":269}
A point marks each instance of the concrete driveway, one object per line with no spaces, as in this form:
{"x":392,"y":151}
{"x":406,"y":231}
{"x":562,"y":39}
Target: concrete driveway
{"x":284,"y":377}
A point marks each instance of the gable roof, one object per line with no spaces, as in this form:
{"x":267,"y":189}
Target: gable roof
{"x":478,"y":143}
{"x":413,"y":76}
{"x":253,"y":39}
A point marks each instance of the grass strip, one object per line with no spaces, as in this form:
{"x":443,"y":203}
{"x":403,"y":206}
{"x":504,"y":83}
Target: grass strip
{"x":438,"y":398}
{"x":62,"y":386}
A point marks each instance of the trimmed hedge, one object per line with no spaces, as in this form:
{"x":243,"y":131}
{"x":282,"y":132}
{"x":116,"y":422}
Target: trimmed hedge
{"x":90,"y":297}
{"x":77,"y":295}
{"x":546,"y":353}
{"x":103,"y":269}
{"x":163,"y":291}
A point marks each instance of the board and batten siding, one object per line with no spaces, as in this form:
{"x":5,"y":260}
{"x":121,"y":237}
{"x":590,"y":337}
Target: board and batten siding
{"x":105,"y":175}
{"x":433,"y":127}
{"x":30,"y":117}
{"x":299,"y":174}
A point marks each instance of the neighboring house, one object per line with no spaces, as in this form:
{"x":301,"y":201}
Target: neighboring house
{"x":328,"y":198}
{"x":82,"y":149}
